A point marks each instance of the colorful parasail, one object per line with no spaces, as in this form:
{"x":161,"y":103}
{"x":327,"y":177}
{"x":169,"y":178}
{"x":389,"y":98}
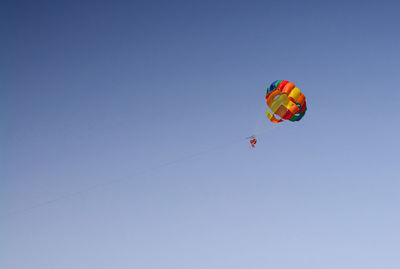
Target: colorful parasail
{"x":285,"y":102}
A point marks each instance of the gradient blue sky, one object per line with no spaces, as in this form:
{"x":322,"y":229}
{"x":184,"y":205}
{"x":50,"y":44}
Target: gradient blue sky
{"x":96,"y":91}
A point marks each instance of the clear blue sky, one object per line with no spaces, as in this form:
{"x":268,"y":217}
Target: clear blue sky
{"x":96,"y":91}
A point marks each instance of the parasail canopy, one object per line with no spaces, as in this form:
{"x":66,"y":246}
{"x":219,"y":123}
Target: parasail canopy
{"x":285,"y":102}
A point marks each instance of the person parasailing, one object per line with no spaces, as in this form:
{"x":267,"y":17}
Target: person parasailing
{"x":253,"y":142}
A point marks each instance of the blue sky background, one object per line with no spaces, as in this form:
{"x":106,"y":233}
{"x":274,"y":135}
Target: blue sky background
{"x":100,"y":91}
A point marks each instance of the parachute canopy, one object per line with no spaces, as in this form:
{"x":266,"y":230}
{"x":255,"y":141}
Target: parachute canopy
{"x":285,"y":102}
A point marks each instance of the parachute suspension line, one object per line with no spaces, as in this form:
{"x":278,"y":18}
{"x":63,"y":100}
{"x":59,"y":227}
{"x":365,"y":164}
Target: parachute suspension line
{"x":263,"y":125}
{"x":259,"y":125}
{"x":261,"y":120}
